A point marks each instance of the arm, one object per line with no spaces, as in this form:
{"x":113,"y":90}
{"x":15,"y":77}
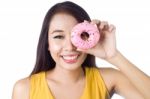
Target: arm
{"x":140,"y":80}
{"x":119,"y":83}
{"x":106,"y":49}
{"x":21,"y":89}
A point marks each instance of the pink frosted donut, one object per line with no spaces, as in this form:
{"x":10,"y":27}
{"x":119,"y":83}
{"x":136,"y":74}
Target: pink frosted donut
{"x":90,"y":31}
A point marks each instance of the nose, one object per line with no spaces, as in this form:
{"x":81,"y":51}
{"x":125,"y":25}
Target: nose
{"x":68,"y":45}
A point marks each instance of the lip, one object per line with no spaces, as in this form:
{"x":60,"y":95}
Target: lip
{"x":70,"y":61}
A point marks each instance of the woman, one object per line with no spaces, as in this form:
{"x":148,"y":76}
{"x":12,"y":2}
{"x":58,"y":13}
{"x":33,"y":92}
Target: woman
{"x":64,"y":72}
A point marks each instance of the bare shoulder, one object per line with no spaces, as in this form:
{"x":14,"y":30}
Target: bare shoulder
{"x":117,"y":82}
{"x":110,"y":73}
{"x":113,"y":78}
{"x":109,"y":76}
{"x":21,"y":89}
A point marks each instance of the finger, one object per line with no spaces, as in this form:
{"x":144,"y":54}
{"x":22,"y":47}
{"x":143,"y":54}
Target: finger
{"x":104,"y":29}
{"x":82,"y":50}
{"x":95,"y":21}
{"x":112,"y":28}
{"x":104,"y":26}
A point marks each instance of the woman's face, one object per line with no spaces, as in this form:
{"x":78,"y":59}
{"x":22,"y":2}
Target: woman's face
{"x":59,"y":39}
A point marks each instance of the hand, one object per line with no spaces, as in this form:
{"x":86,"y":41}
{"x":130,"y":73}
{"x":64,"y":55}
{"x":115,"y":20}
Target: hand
{"x":106,"y":47}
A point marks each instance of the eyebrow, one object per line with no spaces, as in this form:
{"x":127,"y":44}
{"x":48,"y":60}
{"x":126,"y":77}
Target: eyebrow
{"x":57,"y":31}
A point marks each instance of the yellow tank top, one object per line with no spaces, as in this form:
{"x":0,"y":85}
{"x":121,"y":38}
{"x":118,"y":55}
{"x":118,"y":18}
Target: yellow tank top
{"x":94,"y":88}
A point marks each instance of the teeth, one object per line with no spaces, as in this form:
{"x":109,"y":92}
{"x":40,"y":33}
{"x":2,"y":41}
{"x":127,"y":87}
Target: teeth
{"x":70,"y":57}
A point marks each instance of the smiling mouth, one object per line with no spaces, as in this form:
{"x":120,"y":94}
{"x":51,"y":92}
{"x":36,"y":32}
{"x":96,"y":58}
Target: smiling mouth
{"x":70,"y":58}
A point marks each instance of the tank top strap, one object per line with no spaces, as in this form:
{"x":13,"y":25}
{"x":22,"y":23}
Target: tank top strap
{"x":38,"y":87}
{"x":95,"y":87}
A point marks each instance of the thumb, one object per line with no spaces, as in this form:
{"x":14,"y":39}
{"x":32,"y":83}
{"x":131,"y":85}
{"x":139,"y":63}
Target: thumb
{"x":88,"y":51}
{"x":82,"y":50}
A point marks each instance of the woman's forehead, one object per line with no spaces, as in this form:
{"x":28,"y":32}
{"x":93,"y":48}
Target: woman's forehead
{"x":62,"y":21}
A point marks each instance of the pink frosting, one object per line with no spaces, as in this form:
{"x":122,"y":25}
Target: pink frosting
{"x":91,"y":29}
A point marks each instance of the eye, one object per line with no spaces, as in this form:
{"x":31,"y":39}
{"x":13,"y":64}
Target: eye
{"x":59,"y":37}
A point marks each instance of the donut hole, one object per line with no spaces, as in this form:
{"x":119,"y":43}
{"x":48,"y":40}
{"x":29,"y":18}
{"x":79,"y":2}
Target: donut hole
{"x":84,"y":36}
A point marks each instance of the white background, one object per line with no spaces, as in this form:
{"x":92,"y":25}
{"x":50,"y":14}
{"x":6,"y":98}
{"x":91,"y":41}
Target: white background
{"x":20,"y":25}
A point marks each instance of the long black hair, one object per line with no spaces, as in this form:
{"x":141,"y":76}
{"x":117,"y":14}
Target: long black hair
{"x":44,"y":61}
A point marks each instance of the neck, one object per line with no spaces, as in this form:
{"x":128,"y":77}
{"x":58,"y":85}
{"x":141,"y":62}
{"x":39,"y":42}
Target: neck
{"x":62,"y":75}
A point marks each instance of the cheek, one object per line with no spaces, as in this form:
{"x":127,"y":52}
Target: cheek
{"x":54,"y":47}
